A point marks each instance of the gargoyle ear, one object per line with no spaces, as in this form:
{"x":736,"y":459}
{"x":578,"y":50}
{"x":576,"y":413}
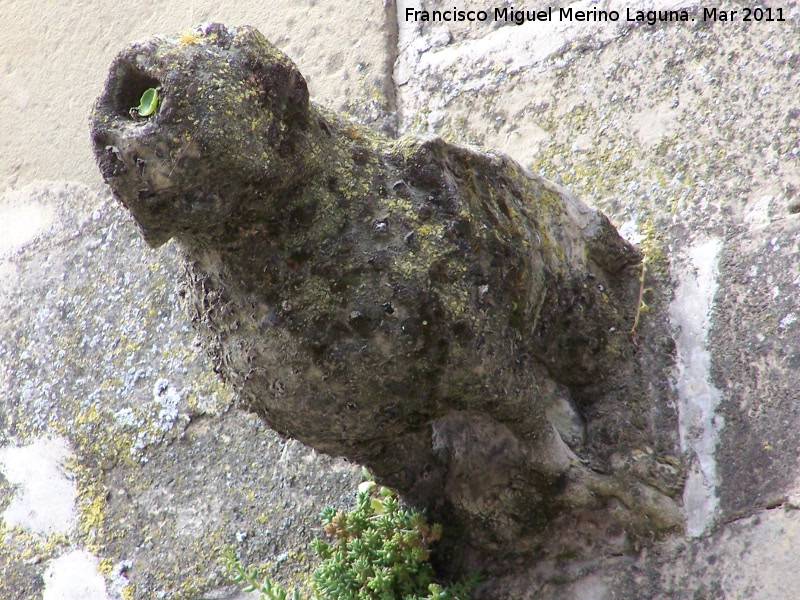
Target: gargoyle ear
{"x":281,"y":88}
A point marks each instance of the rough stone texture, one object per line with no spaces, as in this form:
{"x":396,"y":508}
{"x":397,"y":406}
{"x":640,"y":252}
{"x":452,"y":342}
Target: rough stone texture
{"x":407,"y":305}
{"x":167,"y":474}
{"x":53,"y":58}
{"x":687,"y":136}
{"x":758,"y":368}
{"x":684,"y":134}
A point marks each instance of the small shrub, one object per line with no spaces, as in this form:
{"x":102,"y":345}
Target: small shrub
{"x":377,"y":551}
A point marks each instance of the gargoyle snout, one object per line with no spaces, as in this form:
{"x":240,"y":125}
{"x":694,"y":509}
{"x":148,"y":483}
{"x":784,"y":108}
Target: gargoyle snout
{"x":138,"y":176}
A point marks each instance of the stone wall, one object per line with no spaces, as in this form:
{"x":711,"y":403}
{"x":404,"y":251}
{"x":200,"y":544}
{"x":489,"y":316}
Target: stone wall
{"x":685,"y":133}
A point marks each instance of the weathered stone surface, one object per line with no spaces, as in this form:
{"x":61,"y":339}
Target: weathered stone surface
{"x":756,"y":364}
{"x":166,"y":473}
{"x":404,"y":304}
{"x":685,"y":135}
{"x":750,"y":558}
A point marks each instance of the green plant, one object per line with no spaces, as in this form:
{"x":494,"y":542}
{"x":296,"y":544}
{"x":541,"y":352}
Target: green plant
{"x":268,"y":589}
{"x":148,"y":103}
{"x":377,"y":551}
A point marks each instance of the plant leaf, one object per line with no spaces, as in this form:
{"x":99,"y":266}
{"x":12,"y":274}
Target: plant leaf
{"x":148,"y":103}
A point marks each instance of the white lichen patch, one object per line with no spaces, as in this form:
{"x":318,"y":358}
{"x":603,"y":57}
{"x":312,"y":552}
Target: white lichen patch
{"x":45,"y":497}
{"x":168,"y":399}
{"x":690,"y":314}
{"x":118,"y":580}
{"x":787,"y":321}
{"x":151,"y":422}
{"x":630,"y":231}
{"x":46,"y":503}
{"x":21,"y":220}
{"x":74,"y":576}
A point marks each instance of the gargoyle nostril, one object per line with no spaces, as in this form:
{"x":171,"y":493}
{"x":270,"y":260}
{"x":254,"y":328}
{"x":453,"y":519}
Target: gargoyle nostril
{"x":111,"y":162}
{"x":131,"y":84}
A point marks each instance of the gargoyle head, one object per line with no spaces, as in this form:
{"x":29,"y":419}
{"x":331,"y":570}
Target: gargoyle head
{"x":188,"y":126}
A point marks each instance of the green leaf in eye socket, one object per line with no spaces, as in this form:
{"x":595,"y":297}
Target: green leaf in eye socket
{"x":149,"y":103}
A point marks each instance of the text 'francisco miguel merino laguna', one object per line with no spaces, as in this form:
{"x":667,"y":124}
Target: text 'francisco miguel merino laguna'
{"x":511,"y":15}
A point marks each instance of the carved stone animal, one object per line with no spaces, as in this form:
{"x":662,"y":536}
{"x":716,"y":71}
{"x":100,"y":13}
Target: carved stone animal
{"x":415,"y":306}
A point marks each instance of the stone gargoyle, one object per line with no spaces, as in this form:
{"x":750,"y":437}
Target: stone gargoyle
{"x":434,"y":312}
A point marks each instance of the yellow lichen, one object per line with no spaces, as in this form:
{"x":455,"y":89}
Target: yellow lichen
{"x":189,"y":37}
{"x":106,"y":566}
